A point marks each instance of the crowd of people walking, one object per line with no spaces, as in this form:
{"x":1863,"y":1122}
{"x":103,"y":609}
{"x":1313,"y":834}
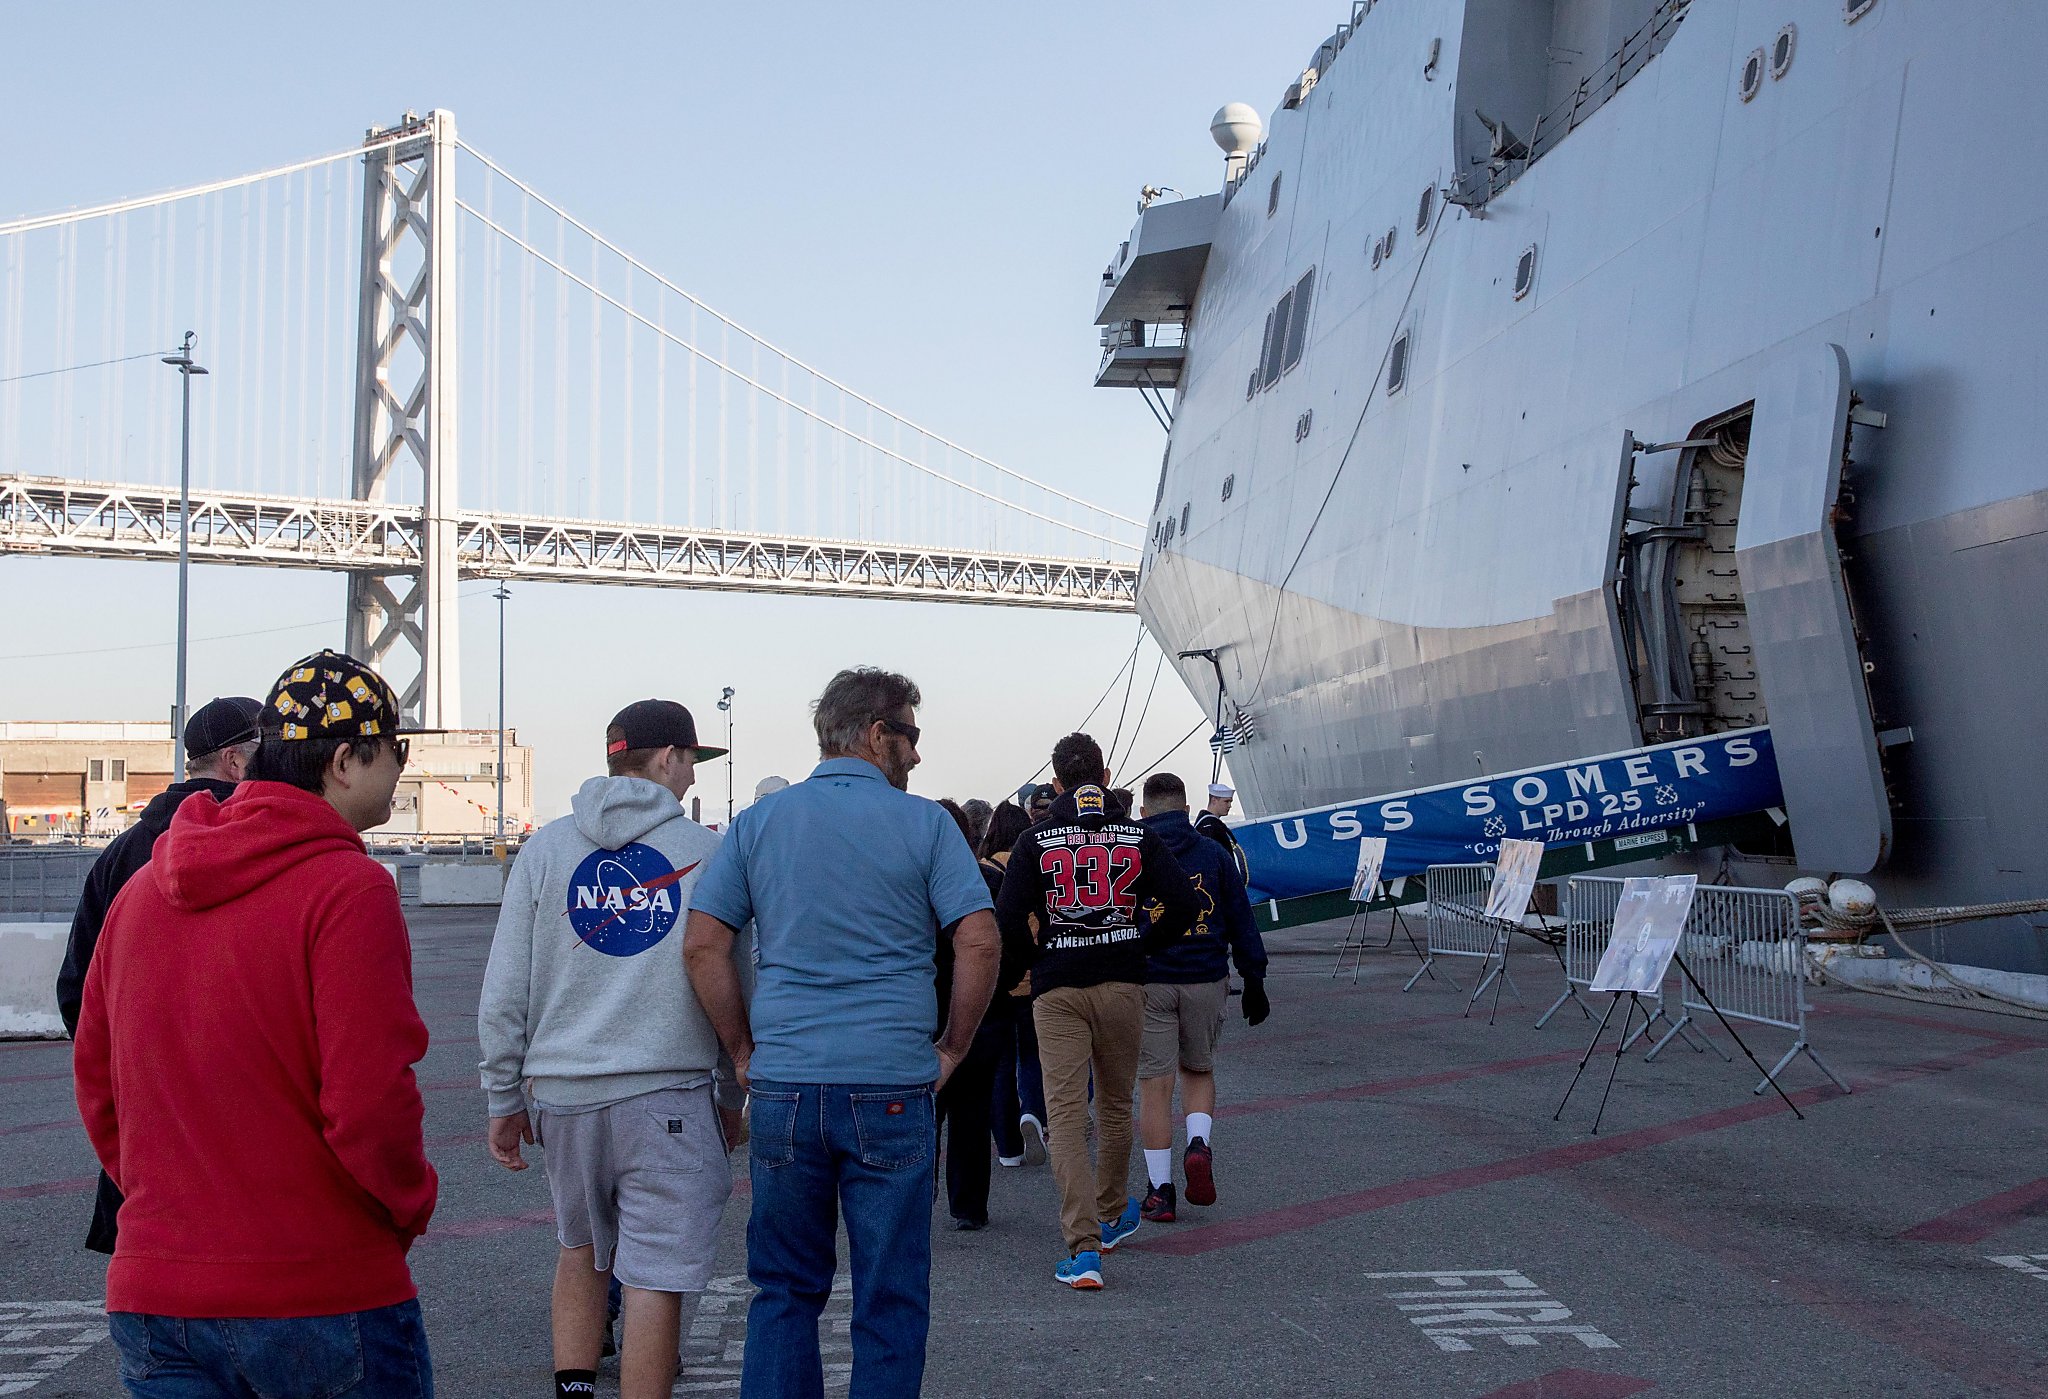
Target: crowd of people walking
{"x":865,"y":981}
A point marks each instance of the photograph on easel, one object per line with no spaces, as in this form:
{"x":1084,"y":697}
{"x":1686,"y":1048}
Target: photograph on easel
{"x":1372,"y":854}
{"x":1649,"y":920}
{"x":1514,"y":879}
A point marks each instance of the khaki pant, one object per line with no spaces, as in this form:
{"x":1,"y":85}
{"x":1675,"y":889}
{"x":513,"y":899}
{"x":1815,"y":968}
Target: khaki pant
{"x":1080,"y":1027}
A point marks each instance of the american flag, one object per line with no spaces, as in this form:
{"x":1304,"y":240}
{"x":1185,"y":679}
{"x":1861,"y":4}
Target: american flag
{"x":1234,"y":735}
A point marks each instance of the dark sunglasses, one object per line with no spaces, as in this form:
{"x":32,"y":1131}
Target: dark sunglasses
{"x":909,"y":731}
{"x":404,"y":748}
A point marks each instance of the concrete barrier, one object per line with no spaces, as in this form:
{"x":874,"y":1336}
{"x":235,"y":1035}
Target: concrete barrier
{"x":449,"y":884}
{"x":30,"y":954}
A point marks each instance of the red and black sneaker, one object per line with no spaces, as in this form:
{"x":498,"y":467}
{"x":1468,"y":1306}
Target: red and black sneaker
{"x":1158,"y":1206}
{"x":1196,"y":1165}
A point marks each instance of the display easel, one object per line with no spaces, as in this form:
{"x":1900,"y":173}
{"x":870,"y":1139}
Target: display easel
{"x":1648,"y":924}
{"x":1367,"y":889}
{"x":1507,"y":905}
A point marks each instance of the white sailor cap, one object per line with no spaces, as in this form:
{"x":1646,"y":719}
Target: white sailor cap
{"x":1222,"y":789}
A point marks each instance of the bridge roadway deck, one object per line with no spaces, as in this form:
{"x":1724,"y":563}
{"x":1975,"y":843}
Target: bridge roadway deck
{"x":1704,"y":1244}
{"x":107,"y":520}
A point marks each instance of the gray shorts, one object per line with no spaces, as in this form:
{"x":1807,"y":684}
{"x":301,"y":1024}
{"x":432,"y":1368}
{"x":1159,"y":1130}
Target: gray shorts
{"x":1182,"y":1024}
{"x":642,"y":1183}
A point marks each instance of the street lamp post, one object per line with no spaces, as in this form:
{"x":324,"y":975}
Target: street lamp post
{"x":182,"y":362}
{"x":725,"y":707}
{"x":502,"y":595}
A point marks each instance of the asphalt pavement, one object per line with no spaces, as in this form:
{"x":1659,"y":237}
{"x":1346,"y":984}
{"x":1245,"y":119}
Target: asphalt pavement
{"x":1399,"y":1215}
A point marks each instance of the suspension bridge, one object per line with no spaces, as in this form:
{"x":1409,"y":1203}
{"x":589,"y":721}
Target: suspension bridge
{"x":423,"y":370}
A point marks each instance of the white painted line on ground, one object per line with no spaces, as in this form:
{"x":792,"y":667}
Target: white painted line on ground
{"x":2035,"y":1264}
{"x":715,"y":1343}
{"x":1502,"y":1303}
{"x":37,"y":1339}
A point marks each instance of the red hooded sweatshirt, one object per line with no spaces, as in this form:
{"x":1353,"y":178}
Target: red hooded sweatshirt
{"x":244,"y":1068}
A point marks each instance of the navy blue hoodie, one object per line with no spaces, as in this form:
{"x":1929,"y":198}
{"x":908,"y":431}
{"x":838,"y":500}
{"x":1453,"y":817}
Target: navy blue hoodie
{"x":1223,"y":928}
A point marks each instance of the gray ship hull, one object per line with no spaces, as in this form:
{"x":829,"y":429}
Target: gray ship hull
{"x":1415,"y":586}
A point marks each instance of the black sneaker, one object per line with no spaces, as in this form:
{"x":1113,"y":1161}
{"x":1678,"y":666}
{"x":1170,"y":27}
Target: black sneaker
{"x":1159,"y":1205}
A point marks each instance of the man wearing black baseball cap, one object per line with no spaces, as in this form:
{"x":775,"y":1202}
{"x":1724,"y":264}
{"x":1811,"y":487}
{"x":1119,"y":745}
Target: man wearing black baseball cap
{"x":271,"y":1155}
{"x":587,"y":1004}
{"x":220,"y":738}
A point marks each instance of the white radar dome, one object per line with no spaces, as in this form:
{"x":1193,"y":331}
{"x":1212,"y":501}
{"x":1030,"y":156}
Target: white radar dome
{"x":1237,"y":128}
{"x":1852,"y":898}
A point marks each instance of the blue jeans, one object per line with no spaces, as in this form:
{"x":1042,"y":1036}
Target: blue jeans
{"x":815,"y":1148}
{"x":380,"y":1353}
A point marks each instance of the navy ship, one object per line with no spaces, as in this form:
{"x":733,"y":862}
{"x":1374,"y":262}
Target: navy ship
{"x":1560,"y":379}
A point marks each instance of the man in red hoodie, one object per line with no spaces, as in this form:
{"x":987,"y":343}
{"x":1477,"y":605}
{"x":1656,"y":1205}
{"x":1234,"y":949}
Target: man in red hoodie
{"x":244,"y":1068}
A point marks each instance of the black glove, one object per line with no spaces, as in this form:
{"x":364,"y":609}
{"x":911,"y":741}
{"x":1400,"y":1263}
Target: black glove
{"x":1256,"y":1006}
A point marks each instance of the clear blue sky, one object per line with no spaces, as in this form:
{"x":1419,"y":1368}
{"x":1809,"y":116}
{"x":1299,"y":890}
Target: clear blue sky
{"x":918,"y":198}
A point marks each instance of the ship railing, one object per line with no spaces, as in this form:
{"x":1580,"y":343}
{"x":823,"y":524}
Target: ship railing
{"x":1137,"y":335}
{"x":1592,"y":92}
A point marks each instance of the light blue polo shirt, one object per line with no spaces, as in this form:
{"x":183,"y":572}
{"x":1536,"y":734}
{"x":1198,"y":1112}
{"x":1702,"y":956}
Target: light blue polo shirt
{"x":848,"y":882}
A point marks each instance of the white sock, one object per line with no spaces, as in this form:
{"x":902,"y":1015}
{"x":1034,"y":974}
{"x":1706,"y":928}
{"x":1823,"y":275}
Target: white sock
{"x":1159,"y":1166}
{"x":1198,"y":1125}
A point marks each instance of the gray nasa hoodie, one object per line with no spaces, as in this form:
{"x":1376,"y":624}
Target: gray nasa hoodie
{"x":585,"y":992}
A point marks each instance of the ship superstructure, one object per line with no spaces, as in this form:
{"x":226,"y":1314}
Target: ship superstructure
{"x":1560,"y":377}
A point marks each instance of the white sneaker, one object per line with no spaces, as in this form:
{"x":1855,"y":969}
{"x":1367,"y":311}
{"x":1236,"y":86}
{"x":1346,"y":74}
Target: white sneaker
{"x":1009,"y":1160}
{"x":1034,"y":1139}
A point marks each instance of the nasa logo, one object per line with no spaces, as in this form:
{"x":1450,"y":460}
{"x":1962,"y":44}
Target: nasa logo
{"x":622,"y":902}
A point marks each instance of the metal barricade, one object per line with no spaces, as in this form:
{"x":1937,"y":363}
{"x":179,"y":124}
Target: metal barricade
{"x":43,"y":884}
{"x":1455,"y":915}
{"x":1747,"y":956}
{"x":1590,"y":901}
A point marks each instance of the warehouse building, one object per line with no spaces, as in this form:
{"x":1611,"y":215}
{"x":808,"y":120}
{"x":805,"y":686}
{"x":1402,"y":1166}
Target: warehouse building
{"x":72,"y":778}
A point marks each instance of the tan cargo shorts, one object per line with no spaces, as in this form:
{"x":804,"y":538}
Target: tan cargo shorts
{"x":1182,"y":1024}
{"x":642,"y":1183}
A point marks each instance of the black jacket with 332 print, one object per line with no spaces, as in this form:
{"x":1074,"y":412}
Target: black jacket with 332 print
{"x":1085,"y":873}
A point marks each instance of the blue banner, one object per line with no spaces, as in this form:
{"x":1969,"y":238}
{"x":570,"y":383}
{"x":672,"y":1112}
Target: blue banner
{"x":1644,"y":789}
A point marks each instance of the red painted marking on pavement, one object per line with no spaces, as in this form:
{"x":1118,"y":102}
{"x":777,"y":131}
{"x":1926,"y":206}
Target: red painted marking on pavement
{"x":1927,"y":1022}
{"x":1981,"y":1358}
{"x":81,"y":1186}
{"x":1316,"y":1214}
{"x":25,"y":1127}
{"x":1380,"y":1088}
{"x":1976,"y":1222}
{"x":1573,"y":1384}
{"x":35,"y":1078}
{"x":488,"y":1228}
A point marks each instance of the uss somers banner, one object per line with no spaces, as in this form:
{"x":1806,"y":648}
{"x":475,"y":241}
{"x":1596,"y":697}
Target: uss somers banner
{"x":1644,"y":789}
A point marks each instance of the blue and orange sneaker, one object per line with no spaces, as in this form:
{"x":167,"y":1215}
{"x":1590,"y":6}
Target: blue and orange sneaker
{"x":1082,"y":1272}
{"x":1115,"y":1231}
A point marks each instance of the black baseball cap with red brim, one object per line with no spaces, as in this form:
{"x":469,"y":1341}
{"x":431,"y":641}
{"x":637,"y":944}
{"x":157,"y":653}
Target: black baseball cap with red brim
{"x":654,"y":723}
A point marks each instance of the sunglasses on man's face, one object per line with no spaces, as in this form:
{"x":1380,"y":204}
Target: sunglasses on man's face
{"x":909,"y":731}
{"x":403,"y":747}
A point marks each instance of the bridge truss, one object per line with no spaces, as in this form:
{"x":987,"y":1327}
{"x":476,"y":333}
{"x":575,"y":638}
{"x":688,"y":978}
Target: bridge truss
{"x":105,"y":520}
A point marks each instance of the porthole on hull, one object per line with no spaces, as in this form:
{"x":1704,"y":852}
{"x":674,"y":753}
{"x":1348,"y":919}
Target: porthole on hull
{"x":1782,"y":49}
{"x":1753,"y":75}
{"x":1525,"y":272}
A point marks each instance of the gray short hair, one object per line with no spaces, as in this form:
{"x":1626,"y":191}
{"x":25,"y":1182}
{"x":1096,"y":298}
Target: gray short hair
{"x":854,"y":700}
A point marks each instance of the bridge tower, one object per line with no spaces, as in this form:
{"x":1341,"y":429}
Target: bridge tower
{"x":405,"y":406}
